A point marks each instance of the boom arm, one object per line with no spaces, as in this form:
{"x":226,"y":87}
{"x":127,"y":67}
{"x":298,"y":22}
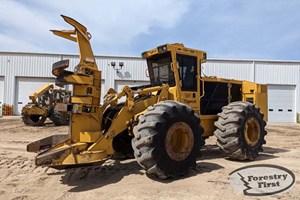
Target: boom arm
{"x":45,"y":88}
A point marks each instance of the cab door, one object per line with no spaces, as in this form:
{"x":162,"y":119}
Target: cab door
{"x":188,"y":74}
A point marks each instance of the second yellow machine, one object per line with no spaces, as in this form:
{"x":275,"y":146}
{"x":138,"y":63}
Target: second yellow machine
{"x":164,"y":124}
{"x":45,"y":103}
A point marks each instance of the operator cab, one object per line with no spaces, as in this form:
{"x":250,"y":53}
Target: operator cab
{"x":176,"y":65}
{"x":161,"y":65}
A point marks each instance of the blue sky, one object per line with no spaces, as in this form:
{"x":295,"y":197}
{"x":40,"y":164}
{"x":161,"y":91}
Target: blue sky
{"x":239,"y":29}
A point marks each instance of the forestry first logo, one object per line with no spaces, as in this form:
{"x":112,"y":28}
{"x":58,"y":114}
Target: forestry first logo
{"x":261,"y":180}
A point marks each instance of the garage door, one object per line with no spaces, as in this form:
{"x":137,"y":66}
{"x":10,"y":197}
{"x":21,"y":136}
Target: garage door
{"x":26,"y":86}
{"x":119,"y":84}
{"x":281,"y":103}
{"x":1,"y":89}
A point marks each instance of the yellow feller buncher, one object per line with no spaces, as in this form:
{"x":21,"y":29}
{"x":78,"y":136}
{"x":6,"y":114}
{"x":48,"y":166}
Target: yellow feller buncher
{"x":164,"y":123}
{"x":47,"y":102}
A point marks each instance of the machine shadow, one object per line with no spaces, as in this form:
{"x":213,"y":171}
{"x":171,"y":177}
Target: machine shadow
{"x":200,"y":168}
{"x":88,"y":178}
{"x":213,"y":152}
{"x":210,"y":151}
{"x":270,"y":153}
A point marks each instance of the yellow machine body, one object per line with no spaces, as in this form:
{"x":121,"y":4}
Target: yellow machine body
{"x":90,"y":138}
{"x":250,"y":92}
{"x":42,"y":104}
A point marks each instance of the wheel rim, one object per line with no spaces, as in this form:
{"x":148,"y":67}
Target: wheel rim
{"x":252,"y":131}
{"x":179,"y":141}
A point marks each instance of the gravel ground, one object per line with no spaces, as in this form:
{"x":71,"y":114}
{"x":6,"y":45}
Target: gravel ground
{"x":21,"y":179}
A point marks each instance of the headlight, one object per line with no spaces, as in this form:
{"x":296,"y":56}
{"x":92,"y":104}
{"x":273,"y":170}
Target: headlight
{"x":162,"y":49}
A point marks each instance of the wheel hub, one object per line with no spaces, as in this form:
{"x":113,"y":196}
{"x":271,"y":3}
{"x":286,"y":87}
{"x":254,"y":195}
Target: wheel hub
{"x":252,"y":131}
{"x":179,"y":141}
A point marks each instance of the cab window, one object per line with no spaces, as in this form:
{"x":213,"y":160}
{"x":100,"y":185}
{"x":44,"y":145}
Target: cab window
{"x":187,"y":72}
{"x":160,"y":72}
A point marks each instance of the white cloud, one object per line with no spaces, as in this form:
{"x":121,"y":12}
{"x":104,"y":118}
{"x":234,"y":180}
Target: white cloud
{"x":113,"y":24}
{"x":18,"y":45}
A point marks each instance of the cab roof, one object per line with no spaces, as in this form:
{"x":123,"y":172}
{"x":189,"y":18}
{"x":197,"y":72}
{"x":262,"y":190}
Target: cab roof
{"x":176,"y":47}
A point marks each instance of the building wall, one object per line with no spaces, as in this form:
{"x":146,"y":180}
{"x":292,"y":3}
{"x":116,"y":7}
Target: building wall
{"x":240,"y":70}
{"x":282,"y":73}
{"x":13,"y":65}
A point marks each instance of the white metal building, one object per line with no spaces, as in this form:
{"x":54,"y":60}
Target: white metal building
{"x":23,"y":73}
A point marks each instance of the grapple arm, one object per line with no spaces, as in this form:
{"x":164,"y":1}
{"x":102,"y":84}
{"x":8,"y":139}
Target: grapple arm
{"x":86,"y":115}
{"x":38,"y":93}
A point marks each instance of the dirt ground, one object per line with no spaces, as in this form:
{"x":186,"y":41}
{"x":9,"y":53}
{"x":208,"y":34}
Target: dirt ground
{"x":20,"y":179}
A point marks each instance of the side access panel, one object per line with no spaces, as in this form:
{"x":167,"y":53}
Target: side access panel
{"x":258,"y":95}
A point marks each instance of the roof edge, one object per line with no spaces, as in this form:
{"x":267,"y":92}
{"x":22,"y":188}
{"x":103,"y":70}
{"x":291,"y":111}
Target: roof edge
{"x":137,"y":57}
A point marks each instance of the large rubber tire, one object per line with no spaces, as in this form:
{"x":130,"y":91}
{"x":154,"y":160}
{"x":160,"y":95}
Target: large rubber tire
{"x":162,"y":124}
{"x":240,"y":130}
{"x":58,"y":118}
{"x":34,"y":120}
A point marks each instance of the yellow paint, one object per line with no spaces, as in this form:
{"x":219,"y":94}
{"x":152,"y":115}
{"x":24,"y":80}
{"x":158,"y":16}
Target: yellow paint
{"x":82,"y":100}
{"x":146,"y":103}
{"x":207,"y":122}
{"x":38,"y":93}
{"x":259,"y":94}
{"x":89,"y":137}
{"x":33,"y":110}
